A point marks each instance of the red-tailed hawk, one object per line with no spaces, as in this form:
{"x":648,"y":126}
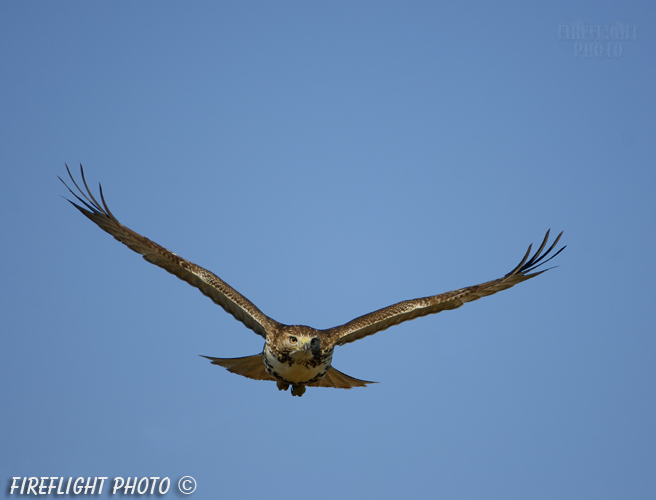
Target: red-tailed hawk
{"x":295,"y":355}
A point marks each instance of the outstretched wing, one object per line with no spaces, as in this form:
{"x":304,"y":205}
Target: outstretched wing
{"x":411,"y":309}
{"x":208,"y":283}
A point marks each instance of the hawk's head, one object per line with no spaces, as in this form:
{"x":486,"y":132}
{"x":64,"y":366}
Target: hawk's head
{"x":299,"y":342}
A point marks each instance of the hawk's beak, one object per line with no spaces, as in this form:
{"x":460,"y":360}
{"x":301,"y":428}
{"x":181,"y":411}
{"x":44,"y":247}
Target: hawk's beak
{"x":305,"y":345}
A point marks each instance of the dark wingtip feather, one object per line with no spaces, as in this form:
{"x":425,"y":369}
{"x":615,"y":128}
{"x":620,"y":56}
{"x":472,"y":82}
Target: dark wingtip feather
{"x":102,"y":197}
{"x":91,"y":208}
{"x":86,"y":198}
{"x":519,"y":266}
{"x":84,"y":180}
{"x":537,"y":260}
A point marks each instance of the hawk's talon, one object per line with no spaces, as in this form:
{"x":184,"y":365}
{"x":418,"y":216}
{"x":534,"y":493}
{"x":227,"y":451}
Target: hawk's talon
{"x":282,"y":386}
{"x":298,"y":390}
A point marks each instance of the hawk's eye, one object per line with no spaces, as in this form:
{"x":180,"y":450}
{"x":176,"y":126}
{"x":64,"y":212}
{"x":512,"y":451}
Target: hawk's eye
{"x":293,"y":340}
{"x":314,"y":342}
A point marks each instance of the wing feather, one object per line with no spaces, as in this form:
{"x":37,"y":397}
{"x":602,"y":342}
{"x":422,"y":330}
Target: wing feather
{"x":208,"y":283}
{"x":410,"y":309}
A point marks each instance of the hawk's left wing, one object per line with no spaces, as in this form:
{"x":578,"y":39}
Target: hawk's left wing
{"x":411,"y":309}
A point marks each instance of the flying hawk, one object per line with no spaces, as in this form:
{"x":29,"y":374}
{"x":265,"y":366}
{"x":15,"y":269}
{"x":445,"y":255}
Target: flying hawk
{"x":295,"y":355}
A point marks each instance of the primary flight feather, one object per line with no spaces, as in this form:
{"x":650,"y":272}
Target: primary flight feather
{"x":295,"y":355}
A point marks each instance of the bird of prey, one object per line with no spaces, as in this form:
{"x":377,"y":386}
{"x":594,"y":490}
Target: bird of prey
{"x":295,"y":356}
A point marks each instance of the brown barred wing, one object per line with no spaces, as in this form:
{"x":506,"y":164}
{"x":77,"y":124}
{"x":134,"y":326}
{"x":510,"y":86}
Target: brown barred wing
{"x":410,"y":309}
{"x":208,"y":283}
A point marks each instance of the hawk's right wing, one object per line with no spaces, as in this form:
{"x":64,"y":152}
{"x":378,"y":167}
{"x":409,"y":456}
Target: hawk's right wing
{"x":208,"y":283}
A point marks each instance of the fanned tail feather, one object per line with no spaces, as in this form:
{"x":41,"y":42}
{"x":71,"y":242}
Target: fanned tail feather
{"x":247,"y":366}
{"x":253,"y":367}
{"x":335,"y":378}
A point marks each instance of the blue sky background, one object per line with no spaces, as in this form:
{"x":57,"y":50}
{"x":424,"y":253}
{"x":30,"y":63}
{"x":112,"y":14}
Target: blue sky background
{"x":327,"y":159}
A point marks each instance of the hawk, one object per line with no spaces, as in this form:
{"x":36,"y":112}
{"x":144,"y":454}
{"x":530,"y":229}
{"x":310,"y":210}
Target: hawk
{"x":295,"y":356}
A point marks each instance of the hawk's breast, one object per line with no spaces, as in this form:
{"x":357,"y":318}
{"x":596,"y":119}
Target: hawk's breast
{"x":295,"y":370}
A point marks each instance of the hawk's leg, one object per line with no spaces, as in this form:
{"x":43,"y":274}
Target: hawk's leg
{"x":298,"y":390}
{"x":282,"y":386}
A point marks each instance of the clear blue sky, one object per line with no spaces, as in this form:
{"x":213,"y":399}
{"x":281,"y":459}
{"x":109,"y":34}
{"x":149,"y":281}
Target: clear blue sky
{"x":327,"y":159}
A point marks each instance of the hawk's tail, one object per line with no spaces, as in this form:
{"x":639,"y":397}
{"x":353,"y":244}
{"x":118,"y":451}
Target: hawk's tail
{"x":339,"y":380}
{"x":248,"y":366}
{"x":253,"y":367}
